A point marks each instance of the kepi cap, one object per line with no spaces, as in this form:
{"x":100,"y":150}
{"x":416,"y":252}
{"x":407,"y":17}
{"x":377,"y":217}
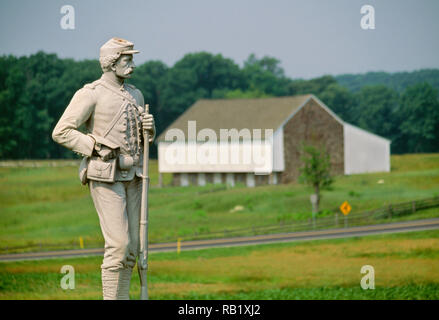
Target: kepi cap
{"x":117,"y":46}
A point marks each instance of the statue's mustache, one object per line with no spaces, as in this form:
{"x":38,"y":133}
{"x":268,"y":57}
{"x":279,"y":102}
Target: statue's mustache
{"x":128,"y":71}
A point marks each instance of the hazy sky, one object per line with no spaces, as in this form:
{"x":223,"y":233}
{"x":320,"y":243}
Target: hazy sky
{"x":309,"y":37}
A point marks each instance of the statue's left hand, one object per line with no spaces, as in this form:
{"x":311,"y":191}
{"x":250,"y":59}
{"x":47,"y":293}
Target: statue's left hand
{"x":148,"y":123}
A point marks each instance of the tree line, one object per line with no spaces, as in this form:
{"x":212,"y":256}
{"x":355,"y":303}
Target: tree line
{"x":35,"y":90}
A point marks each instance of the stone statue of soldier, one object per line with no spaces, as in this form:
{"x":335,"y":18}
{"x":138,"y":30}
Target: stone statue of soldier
{"x":112,"y":147}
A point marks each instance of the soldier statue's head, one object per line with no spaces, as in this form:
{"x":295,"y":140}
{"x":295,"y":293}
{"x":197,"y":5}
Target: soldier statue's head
{"x":116,"y":56}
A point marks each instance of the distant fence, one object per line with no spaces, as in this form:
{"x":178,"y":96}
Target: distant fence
{"x":39,"y":163}
{"x":338,"y":220}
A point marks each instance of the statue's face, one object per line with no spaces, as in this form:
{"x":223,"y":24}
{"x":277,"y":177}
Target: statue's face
{"x":124,"y":66}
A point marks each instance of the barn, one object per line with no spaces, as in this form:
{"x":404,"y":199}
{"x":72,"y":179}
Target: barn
{"x":257,"y":141}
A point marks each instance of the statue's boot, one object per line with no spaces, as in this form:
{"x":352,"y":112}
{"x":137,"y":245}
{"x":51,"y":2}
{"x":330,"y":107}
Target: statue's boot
{"x":116,"y":284}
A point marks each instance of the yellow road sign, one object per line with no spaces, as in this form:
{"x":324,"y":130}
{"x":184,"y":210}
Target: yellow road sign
{"x":345,"y":208}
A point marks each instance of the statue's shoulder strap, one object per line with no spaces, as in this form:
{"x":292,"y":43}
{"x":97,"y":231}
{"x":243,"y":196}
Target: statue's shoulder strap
{"x":115,"y":118}
{"x":127,"y":96}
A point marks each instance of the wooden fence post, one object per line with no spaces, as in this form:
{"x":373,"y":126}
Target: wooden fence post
{"x":160,"y":180}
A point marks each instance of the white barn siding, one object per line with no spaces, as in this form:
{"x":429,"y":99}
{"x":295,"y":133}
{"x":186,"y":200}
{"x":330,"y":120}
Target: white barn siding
{"x":272,"y":153}
{"x":232,"y":157}
{"x":278,"y":150}
{"x":364,"y":152}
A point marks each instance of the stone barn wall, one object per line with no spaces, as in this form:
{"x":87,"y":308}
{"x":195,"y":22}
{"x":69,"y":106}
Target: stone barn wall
{"x":313,"y":125}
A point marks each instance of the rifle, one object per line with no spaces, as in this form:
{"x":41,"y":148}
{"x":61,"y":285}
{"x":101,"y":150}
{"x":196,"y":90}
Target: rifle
{"x":142,"y":264}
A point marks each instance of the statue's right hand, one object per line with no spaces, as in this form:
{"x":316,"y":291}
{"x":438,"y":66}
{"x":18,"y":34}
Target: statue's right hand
{"x":105,"y":153}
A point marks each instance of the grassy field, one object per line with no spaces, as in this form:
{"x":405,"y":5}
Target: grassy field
{"x":47,"y":208}
{"x":406,"y":267}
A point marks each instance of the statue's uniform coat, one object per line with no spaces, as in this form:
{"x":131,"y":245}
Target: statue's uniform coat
{"x":112,"y":116}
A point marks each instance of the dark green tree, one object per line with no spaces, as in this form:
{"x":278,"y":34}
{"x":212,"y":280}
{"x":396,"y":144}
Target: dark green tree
{"x":239,"y":94}
{"x":419,"y":120}
{"x":340,"y":100}
{"x":265,"y":75}
{"x":375,"y":110}
{"x":196,"y":76}
{"x":314,"y":86}
{"x":35,"y":90}
{"x":11,"y":86}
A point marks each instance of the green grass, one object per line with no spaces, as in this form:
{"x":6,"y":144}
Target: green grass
{"x":406,"y":267}
{"x":405,"y":292}
{"x":47,"y":208}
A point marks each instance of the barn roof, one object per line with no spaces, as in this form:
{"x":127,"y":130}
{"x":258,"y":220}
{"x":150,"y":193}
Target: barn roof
{"x":259,"y":113}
